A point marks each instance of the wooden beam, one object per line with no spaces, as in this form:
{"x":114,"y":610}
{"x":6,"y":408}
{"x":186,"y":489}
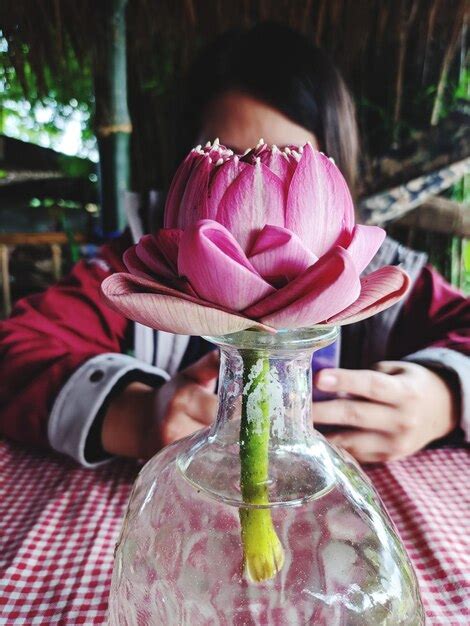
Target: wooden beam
{"x":76,"y":189}
{"x":394,"y":203}
{"x":440,"y":215}
{"x":5,"y":275}
{"x":38,"y":239}
{"x":430,"y":150}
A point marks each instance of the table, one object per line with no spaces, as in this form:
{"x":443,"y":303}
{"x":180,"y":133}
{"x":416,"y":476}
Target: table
{"x":59,"y":523}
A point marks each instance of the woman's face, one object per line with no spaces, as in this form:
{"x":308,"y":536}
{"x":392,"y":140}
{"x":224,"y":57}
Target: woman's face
{"x":239,"y":121}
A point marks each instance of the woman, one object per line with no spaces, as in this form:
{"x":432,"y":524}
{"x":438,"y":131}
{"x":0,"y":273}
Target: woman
{"x":68,"y":382}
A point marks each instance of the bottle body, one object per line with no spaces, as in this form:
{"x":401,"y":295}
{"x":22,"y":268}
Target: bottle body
{"x":182,"y":555}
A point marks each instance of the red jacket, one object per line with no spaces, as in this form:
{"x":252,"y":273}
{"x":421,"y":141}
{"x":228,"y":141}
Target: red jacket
{"x":51,"y":334}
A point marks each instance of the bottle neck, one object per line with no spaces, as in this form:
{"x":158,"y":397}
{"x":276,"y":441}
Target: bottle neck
{"x":265,"y":386}
{"x":263,"y":449}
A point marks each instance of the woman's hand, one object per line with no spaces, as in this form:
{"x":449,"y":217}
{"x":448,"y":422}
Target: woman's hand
{"x":389,"y":412}
{"x":187,"y":402}
{"x":141,"y":419}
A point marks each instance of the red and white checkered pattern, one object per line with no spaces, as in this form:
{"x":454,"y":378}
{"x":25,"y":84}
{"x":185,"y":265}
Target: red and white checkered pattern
{"x":59,"y":523}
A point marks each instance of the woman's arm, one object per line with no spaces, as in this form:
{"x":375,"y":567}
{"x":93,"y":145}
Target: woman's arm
{"x":435,"y":315}
{"x":141,"y":419}
{"x":420,"y":393}
{"x":434,"y":332}
{"x":60,"y":353}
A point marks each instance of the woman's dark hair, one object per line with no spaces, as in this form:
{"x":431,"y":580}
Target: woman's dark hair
{"x":279,"y":66}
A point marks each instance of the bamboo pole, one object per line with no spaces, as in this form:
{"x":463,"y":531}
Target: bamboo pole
{"x":56,"y":252}
{"x":5,"y":275}
{"x":445,"y":67}
{"x":114,"y":125}
{"x":406,"y":23}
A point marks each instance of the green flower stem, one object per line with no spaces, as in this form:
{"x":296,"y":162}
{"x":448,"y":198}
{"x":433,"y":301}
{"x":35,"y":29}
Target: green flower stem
{"x":262,"y":551}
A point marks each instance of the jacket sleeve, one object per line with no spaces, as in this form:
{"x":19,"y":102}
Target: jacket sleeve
{"x":61,"y":353}
{"x":434,"y":330}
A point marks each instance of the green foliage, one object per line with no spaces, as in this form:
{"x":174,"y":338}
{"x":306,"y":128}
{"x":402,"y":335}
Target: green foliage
{"x":39,"y":109}
{"x":383,"y":128}
{"x":76,"y":167}
{"x":461,"y":247}
{"x":457,"y":93}
{"x":462,"y":88}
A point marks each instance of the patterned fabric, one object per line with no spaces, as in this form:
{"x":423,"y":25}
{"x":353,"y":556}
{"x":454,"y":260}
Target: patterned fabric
{"x":59,"y":523}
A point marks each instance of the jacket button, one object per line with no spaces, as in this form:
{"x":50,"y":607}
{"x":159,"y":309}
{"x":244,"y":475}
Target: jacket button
{"x":96,"y":376}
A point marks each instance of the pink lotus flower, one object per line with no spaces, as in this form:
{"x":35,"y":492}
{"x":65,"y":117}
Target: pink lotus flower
{"x":265,"y":240}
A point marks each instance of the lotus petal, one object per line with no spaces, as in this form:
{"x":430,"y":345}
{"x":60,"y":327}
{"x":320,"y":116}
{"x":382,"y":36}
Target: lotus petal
{"x":177,"y":189}
{"x":193,"y":202}
{"x":135,"y":265}
{"x":217,"y":150}
{"x":141,"y":271}
{"x":278,"y":255}
{"x":254,"y":199}
{"x":319,"y":206}
{"x":162,"y":309}
{"x":280,"y":164}
{"x":153,"y":285}
{"x":259,"y":150}
{"x":365,"y":242}
{"x":379,"y":290}
{"x":322,"y":290}
{"x":151,"y":256}
{"x":222,"y":178}
{"x":168,"y":241}
{"x":218,"y":269}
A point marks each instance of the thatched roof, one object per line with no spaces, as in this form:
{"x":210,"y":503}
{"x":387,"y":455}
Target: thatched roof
{"x":28,"y":170}
{"x":394,"y":54}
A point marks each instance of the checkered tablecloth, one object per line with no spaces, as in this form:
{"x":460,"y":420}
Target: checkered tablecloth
{"x":59,"y":523}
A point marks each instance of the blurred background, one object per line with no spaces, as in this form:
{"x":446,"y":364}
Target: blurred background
{"x":89,"y":103}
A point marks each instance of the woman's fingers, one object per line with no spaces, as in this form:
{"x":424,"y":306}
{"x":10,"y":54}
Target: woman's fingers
{"x":372,"y":385}
{"x":191,"y":409}
{"x":185,"y":390}
{"x":204,"y":371}
{"x":366,"y":447}
{"x":176,"y":427}
{"x":354,"y":413}
{"x":199,"y":404}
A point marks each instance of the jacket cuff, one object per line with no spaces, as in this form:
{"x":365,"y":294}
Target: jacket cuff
{"x":81,"y":398}
{"x":459,"y":365}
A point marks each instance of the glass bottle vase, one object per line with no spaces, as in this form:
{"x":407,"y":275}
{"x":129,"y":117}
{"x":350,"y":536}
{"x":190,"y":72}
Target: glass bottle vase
{"x":258,"y":520}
